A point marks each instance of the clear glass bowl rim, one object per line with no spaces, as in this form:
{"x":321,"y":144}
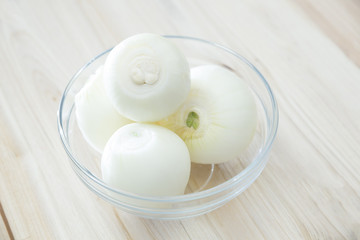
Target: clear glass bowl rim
{"x":237,"y":179}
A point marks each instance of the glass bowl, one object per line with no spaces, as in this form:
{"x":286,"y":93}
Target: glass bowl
{"x":210,"y":186}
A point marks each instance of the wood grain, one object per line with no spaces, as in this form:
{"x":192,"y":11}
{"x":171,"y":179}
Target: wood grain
{"x":308,"y":50}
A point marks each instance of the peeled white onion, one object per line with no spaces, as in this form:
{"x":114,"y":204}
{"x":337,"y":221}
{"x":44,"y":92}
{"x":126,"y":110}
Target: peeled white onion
{"x":96,"y":117}
{"x":146,"y":159}
{"x":146,"y":77}
{"x":218,"y":119}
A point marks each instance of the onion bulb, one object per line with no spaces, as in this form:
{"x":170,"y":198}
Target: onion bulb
{"x":96,"y":117}
{"x":218,"y":119}
{"x":146,"y":77}
{"x":146,"y":159}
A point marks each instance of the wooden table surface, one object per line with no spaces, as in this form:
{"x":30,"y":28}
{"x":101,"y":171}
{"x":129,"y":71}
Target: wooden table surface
{"x":309,"y":51}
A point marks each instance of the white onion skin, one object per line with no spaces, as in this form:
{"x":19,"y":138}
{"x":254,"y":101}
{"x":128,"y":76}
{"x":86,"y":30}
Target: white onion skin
{"x":96,"y":117}
{"x":227,"y":115}
{"x":146,"y":159}
{"x":146,"y":77}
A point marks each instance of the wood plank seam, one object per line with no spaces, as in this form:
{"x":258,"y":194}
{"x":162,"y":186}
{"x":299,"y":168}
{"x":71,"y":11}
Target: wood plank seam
{"x":6,"y":222}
